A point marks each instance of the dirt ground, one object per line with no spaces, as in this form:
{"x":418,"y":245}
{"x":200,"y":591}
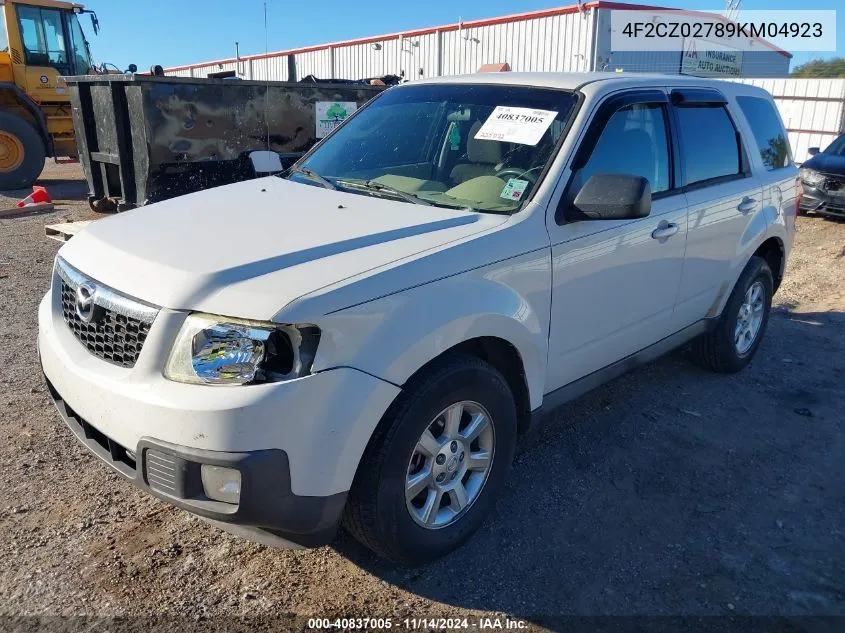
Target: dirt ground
{"x":670,"y":491}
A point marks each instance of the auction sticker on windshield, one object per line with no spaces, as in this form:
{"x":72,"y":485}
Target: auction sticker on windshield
{"x":516,"y":125}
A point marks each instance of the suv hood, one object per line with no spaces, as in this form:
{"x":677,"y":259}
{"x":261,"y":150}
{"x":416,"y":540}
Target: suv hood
{"x":827,"y":163}
{"x":251,"y":248}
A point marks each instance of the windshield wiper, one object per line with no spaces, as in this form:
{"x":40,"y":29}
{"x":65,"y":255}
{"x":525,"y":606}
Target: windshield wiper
{"x":371,"y":185}
{"x":313,"y":175}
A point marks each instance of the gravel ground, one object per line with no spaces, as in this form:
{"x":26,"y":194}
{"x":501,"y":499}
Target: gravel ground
{"x":668,"y":491}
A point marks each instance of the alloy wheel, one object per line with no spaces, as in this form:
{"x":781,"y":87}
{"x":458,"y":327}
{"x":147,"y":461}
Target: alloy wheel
{"x":750,"y":318}
{"x":450,"y":465}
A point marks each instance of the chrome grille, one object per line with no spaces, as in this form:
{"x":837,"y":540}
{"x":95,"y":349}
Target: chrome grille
{"x":118,"y":325}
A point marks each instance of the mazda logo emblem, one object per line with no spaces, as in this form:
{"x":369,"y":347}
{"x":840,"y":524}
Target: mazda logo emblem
{"x":85,"y":307}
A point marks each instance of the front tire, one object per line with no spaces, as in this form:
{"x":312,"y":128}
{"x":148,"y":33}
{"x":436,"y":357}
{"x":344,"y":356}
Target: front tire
{"x":436,"y":463}
{"x":21,"y":152}
{"x":731,"y":345}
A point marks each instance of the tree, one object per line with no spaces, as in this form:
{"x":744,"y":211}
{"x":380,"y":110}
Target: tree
{"x":834,"y":67}
{"x":336,"y":112}
{"x":774,"y":156}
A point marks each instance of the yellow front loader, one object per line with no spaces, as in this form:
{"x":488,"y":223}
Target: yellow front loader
{"x":40,"y":41}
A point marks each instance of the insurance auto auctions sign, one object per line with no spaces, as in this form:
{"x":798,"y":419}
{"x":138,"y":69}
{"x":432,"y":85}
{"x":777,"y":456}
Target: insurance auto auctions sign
{"x":702,"y":58}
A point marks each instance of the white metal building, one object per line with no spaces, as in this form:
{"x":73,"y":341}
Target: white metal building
{"x":571,"y":38}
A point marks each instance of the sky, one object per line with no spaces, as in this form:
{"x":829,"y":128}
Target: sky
{"x":178,"y":32}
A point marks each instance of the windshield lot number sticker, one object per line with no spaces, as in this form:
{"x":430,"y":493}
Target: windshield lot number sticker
{"x":516,"y":125}
{"x":514,"y":189}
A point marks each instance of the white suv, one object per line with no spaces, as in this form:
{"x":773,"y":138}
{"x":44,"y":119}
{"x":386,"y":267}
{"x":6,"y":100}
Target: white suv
{"x":360,"y":340}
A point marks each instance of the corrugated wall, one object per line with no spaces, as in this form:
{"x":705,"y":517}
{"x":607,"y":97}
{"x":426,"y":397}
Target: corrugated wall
{"x":203,"y":71}
{"x":557,"y":40}
{"x":754,"y":63}
{"x":564,"y":45}
{"x":559,"y":43}
{"x":410,"y":57}
{"x":266,"y":69}
{"x":813,"y":110}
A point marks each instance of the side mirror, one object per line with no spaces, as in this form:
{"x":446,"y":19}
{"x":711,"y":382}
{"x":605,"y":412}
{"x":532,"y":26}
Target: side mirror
{"x":813,"y":151}
{"x":132,"y":68}
{"x":612,"y":197}
{"x":265,"y":162}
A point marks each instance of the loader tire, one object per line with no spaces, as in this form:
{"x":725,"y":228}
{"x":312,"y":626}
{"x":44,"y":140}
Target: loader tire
{"x":21,"y":152}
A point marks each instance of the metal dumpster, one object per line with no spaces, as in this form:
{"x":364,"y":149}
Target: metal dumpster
{"x":142,"y":138}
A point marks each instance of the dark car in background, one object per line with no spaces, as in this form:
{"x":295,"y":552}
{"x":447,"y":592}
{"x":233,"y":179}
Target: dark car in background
{"x":823,"y":180}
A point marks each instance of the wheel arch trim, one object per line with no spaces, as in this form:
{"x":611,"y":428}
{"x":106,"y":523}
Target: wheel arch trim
{"x":751,"y":250}
{"x":424,"y":324}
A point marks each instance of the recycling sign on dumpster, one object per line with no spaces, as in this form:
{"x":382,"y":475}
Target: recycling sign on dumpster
{"x":330,"y":114}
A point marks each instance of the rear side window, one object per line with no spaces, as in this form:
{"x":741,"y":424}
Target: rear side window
{"x":710,"y":144}
{"x":768,"y":131}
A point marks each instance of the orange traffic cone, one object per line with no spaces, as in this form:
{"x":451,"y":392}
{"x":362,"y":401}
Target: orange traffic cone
{"x":39,"y":195}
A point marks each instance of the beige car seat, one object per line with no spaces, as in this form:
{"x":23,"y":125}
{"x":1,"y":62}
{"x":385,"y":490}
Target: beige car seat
{"x":483,"y":157}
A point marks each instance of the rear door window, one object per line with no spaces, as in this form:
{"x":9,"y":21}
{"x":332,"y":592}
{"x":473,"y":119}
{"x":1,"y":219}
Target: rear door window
{"x":768,"y":131}
{"x":709,"y":143}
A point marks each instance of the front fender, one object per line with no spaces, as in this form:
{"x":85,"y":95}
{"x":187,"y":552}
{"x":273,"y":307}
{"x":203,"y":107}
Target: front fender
{"x":394,"y":336}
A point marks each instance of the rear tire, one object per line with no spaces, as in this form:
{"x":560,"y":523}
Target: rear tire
{"x":21,"y":152}
{"x":382,"y":514}
{"x":731,"y":345}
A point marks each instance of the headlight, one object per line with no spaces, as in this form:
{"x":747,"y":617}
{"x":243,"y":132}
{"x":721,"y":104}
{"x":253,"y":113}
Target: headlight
{"x":811,"y":177}
{"x":222,"y":351}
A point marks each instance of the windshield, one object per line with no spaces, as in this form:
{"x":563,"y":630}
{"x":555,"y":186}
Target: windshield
{"x":79,"y":46}
{"x":479,"y":147}
{"x":837,"y":148}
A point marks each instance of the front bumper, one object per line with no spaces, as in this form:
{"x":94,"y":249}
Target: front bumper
{"x":818,"y":200}
{"x":267,"y":511}
{"x":297,"y":444}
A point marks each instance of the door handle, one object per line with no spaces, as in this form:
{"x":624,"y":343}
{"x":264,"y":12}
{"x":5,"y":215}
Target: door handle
{"x":667,"y":230}
{"x":746,"y":205}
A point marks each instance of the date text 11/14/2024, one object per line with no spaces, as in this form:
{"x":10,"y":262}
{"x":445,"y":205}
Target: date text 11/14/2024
{"x":422,"y":623}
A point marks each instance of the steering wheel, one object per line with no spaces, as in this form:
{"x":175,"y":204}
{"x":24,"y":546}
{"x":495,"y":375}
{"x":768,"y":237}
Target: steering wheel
{"x":516,"y":172}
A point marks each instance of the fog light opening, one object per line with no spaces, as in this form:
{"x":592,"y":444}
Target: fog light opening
{"x":221,"y":484}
